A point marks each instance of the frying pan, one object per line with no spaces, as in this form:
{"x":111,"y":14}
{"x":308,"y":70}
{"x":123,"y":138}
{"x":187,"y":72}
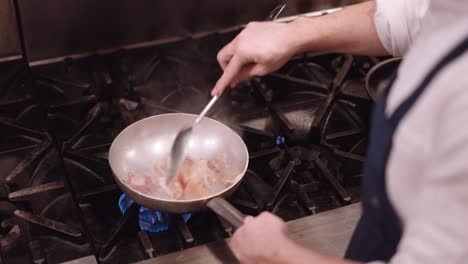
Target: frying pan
{"x":145,"y":143}
{"x":381,"y":72}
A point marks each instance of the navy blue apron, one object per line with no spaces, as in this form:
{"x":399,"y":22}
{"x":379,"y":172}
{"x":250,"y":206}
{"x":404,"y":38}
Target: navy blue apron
{"x":379,"y":230}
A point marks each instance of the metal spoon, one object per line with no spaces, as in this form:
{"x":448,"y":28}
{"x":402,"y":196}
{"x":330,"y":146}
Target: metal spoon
{"x":178,"y":147}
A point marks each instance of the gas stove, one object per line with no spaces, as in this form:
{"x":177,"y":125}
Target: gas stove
{"x":305,"y":127}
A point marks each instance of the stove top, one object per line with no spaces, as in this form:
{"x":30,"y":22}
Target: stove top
{"x":305,"y":127}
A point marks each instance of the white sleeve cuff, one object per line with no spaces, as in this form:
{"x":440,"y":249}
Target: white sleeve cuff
{"x":398,"y":23}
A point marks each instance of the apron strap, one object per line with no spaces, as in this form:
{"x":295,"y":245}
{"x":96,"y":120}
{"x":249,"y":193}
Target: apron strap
{"x":450,"y":57}
{"x":379,"y":230}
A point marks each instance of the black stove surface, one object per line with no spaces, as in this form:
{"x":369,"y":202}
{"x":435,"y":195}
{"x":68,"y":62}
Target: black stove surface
{"x":305,"y":127}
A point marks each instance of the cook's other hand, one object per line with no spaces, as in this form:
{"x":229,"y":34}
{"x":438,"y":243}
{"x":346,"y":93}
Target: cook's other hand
{"x":261,"y":48}
{"x":263,"y":239}
{"x":260,"y":239}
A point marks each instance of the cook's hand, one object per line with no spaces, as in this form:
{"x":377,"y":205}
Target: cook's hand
{"x":260,"y":239}
{"x":261,"y":48}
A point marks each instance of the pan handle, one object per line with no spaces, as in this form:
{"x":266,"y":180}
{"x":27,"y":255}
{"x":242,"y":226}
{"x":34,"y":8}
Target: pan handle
{"x":228,"y":212}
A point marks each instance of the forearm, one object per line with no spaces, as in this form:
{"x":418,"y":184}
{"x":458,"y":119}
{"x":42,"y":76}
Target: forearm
{"x":295,"y":254}
{"x":351,"y":30}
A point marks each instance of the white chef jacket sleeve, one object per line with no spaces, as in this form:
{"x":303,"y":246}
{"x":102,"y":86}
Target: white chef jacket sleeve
{"x":398,"y":23}
{"x":437,"y":230}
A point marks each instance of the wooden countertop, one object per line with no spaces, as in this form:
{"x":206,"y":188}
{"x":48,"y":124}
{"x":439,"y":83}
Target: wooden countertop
{"x":328,"y":232}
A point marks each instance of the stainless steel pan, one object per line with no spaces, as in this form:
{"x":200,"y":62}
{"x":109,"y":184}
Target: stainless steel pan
{"x":143,"y":144}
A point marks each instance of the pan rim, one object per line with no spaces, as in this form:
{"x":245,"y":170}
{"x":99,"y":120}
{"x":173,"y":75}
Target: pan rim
{"x":238,"y":177}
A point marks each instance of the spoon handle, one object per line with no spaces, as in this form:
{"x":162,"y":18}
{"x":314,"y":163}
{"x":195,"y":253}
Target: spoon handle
{"x":206,"y":109}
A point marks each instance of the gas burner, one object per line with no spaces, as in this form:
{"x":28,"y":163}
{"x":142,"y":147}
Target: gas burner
{"x":318,"y":177}
{"x":45,"y":217}
{"x":150,"y":220}
{"x":311,"y":71}
{"x":24,"y":143}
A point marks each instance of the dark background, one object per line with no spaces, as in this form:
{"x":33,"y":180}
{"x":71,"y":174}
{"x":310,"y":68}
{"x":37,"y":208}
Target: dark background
{"x":55,"y":28}
{"x":9,"y":40}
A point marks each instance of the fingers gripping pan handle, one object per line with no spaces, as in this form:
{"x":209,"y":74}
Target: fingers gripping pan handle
{"x":228,"y":212}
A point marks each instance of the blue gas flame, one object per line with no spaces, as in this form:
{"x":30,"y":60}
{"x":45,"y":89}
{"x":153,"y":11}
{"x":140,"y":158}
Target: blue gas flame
{"x":148,"y":219}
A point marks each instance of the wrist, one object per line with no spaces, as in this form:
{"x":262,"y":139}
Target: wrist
{"x":283,"y":252}
{"x":301,"y":37}
{"x":298,"y":36}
